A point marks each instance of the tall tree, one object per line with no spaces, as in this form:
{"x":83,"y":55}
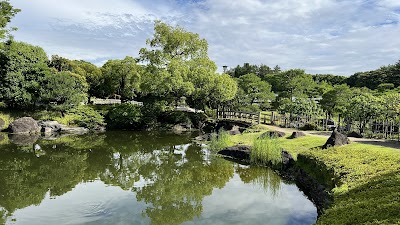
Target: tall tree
{"x":174,"y":59}
{"x":337,"y":99}
{"x":7,"y":12}
{"x":293,"y":83}
{"x":22,"y":69}
{"x":121,"y":77}
{"x":255,"y":91}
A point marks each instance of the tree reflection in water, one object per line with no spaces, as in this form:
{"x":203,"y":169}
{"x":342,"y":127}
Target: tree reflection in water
{"x":168,"y":174}
{"x":260,"y":176}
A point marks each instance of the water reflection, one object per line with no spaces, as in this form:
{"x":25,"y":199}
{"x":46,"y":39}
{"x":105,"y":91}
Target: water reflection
{"x":265,"y":178}
{"x":168,"y":179}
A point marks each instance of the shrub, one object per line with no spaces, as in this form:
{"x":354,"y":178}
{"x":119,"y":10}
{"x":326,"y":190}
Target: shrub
{"x":125,"y":116}
{"x":176,"y":117}
{"x":85,"y":116}
{"x":310,"y":126}
{"x":152,"y":111}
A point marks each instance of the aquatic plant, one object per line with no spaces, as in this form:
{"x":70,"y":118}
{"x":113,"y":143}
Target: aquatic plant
{"x":266,"y":151}
{"x":220,"y":141}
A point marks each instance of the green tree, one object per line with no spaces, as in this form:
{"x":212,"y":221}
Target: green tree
{"x":336,"y":100}
{"x":363,"y":107}
{"x":121,"y":77}
{"x":175,"y":59}
{"x":7,"y":12}
{"x":301,"y":107}
{"x":391,"y":106}
{"x":89,"y":72}
{"x":62,"y":91}
{"x":92,"y":74}
{"x":292,"y":83}
{"x":22,"y":69}
{"x":224,"y":89}
{"x":254,"y":91}
{"x":385,"y":74}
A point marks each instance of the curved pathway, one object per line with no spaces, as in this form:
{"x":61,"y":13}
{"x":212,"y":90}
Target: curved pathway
{"x":378,"y":142}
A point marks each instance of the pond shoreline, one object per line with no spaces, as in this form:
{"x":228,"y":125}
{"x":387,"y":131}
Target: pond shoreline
{"x":315,"y":191}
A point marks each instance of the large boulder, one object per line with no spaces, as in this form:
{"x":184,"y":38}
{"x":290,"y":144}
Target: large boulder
{"x":336,"y":139}
{"x":272,"y":134}
{"x":24,"y":125}
{"x":240,"y":152}
{"x":297,"y":134}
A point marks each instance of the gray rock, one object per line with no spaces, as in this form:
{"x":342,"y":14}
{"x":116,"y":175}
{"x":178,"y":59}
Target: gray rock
{"x":179,"y":128}
{"x":297,"y":134}
{"x":49,"y":126}
{"x":204,"y":137}
{"x":24,"y":125}
{"x":241,"y":152}
{"x":272,"y":134}
{"x":287,"y":160}
{"x":336,"y":139}
{"x":73,"y":130}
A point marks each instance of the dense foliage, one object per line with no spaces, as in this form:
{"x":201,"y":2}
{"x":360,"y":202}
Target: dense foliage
{"x":7,"y":12}
{"x":388,"y":76}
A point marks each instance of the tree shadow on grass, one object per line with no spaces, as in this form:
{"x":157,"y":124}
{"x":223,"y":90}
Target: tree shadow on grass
{"x":383,"y":143}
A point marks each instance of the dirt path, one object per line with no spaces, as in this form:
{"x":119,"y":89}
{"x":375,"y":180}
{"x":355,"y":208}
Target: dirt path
{"x":378,"y":142}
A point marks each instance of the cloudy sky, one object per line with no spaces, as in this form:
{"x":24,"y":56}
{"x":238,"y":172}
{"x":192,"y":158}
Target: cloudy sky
{"x":321,"y":36}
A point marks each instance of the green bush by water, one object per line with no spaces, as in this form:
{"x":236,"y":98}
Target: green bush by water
{"x":124,"y":116}
{"x":266,"y":151}
{"x":85,"y":116}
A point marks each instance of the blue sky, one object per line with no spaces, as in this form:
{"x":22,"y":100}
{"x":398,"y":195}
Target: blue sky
{"x":321,"y":36}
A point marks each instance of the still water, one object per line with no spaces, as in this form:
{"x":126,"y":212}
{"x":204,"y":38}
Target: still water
{"x":138,"y":178}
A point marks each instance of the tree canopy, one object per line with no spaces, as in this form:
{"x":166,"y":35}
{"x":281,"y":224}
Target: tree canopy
{"x":7,"y":12}
{"x":177,"y":65}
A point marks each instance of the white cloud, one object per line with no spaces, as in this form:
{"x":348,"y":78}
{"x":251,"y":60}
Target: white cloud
{"x":320,"y":36}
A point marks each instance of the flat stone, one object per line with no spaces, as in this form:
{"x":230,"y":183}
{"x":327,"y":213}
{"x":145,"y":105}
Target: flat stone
{"x":74,"y":130}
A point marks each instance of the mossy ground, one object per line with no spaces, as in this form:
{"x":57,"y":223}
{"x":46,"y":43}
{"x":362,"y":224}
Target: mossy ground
{"x":365,"y":179}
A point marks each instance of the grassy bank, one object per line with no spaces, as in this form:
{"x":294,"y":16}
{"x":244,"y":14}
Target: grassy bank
{"x":364,"y":179}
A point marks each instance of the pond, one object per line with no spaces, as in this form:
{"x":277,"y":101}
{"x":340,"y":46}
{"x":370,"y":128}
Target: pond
{"x":139,"y":178}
